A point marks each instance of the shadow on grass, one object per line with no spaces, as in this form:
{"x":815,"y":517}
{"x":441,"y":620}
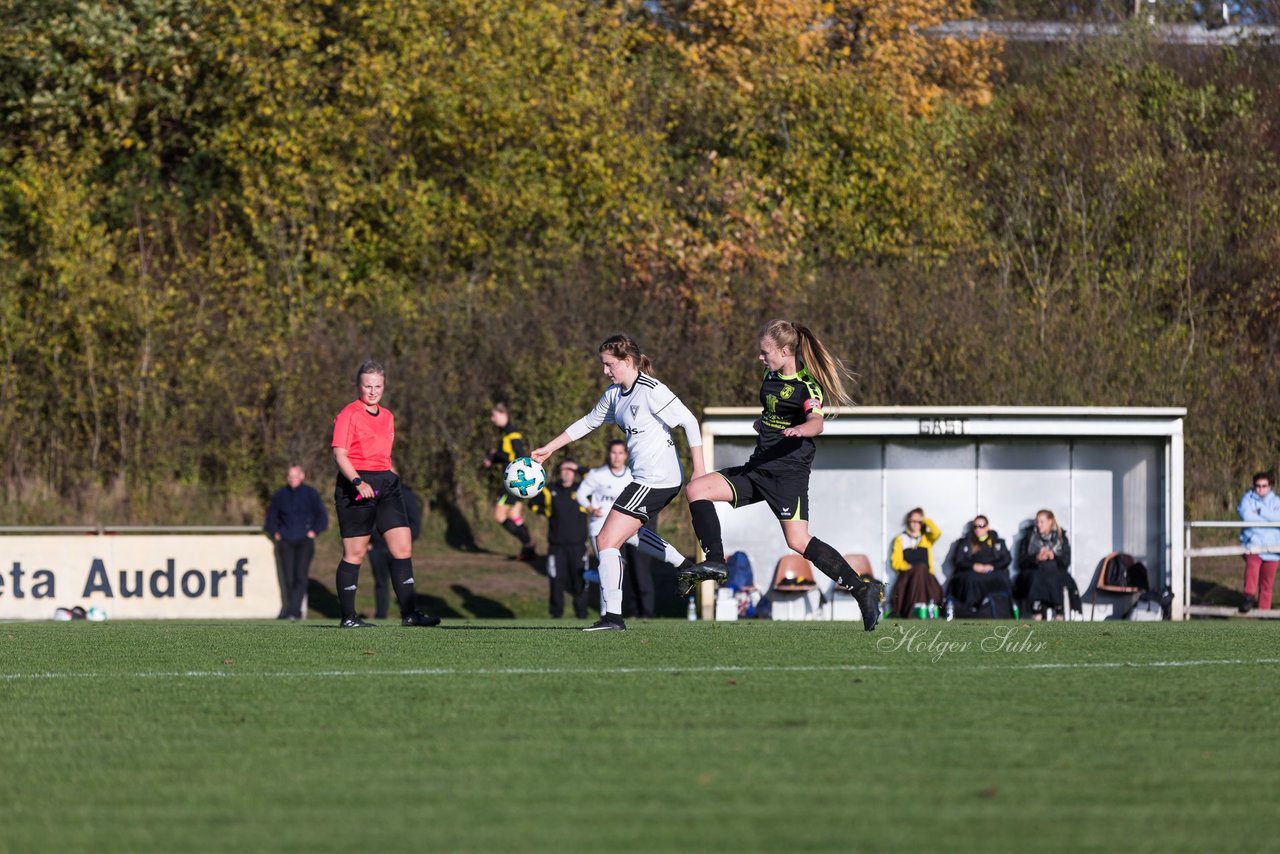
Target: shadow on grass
{"x":464,"y":628}
{"x":457,"y":529}
{"x":479,"y":606}
{"x":1211,"y":593}
{"x":435,"y":605}
{"x":321,"y":600}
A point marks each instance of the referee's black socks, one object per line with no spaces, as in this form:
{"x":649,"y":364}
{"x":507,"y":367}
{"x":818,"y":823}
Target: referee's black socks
{"x":706,"y":527}
{"x":402,"y":581}
{"x":827,"y":559}
{"x":346,"y":584}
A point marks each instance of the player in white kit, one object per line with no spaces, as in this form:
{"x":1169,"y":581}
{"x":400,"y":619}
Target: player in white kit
{"x":597,"y":492}
{"x":646,"y":410}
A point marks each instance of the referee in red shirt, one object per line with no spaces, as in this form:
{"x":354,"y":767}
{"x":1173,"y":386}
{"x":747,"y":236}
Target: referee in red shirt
{"x":367,"y":496}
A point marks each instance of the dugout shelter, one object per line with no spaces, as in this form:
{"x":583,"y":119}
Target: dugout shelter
{"x":1113,"y":476}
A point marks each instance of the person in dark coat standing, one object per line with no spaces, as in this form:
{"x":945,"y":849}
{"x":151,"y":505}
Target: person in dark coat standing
{"x":1045,"y":564}
{"x":566,"y":540}
{"x":295,"y":517}
{"x":981,"y":562}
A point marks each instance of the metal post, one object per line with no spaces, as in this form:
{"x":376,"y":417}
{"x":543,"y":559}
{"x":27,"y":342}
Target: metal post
{"x":1186,"y":573}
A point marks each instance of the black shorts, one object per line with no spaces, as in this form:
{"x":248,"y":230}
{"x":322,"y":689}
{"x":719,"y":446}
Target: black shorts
{"x":640,"y":502}
{"x":787,"y":497}
{"x":358,"y":517}
{"x":505,"y":499}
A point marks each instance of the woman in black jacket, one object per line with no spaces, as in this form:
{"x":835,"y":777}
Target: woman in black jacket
{"x":1045,"y":564}
{"x":981,"y":565}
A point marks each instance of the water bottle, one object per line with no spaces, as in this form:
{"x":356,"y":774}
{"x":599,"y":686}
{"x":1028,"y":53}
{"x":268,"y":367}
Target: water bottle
{"x":693,"y":608}
{"x":951,"y":609}
{"x":1015,"y":610}
{"x":933,"y":610}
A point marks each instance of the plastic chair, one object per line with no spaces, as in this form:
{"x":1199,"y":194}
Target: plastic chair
{"x":860,"y":564}
{"x":791,"y":569}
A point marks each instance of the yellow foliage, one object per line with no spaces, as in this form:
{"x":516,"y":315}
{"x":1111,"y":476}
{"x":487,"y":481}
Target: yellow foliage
{"x":884,"y":43}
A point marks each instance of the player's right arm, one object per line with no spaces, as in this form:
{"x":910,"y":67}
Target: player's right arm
{"x":350,"y":473}
{"x":539,"y":455}
{"x":602,"y":411}
{"x":341,"y":441}
{"x":898,"y":560}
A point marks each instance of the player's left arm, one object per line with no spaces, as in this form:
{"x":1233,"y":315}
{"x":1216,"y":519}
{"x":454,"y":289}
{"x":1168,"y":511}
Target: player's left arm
{"x":810,"y":427}
{"x":675,"y":414}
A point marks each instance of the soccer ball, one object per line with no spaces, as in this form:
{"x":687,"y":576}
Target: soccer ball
{"x":524,"y":478}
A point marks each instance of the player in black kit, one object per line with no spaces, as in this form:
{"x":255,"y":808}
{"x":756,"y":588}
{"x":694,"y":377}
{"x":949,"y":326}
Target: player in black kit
{"x":507,"y":509}
{"x":798,"y":371}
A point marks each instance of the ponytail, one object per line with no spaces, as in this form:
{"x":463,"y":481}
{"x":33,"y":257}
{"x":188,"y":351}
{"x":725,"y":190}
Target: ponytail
{"x":829,"y":371}
{"x":625,"y":347}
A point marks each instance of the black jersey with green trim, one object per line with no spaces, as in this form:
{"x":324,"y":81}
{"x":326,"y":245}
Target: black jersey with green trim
{"x":786,"y":401}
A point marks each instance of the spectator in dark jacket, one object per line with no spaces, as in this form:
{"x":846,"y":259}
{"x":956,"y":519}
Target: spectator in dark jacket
{"x":566,"y":540}
{"x":1045,"y":564}
{"x":981,"y":565}
{"x":295,"y":517}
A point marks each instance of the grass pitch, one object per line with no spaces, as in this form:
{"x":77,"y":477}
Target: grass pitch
{"x":504,"y":735}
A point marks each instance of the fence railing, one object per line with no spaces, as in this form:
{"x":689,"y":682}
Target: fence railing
{"x":1189,"y":552}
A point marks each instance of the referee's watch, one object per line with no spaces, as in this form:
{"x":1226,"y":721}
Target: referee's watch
{"x":357,"y":480}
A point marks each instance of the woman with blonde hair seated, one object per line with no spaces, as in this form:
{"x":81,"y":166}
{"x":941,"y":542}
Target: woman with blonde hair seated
{"x":1045,"y":561}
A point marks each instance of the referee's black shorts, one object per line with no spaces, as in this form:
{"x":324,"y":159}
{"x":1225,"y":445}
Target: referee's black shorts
{"x":358,"y":517}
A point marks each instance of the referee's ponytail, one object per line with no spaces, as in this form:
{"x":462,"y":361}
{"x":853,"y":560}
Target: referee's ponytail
{"x":625,"y":347}
{"x":829,"y":371}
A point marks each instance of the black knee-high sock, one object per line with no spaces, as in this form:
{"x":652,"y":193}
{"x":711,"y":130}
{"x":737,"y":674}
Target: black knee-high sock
{"x":402,"y":581}
{"x":706,"y":527}
{"x":520,"y":532}
{"x":347,"y":575}
{"x":827,"y":559}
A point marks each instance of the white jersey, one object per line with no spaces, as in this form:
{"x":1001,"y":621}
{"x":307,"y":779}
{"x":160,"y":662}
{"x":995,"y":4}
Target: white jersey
{"x":598,"y":490}
{"x":646,"y":413}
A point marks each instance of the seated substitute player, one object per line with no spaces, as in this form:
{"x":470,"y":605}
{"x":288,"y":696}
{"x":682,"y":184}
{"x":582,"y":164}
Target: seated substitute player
{"x":646,"y":410}
{"x":797,"y":371}
{"x":367,"y":497}
{"x":507,"y":509}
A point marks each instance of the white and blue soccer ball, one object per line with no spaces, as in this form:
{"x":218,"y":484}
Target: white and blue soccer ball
{"x":524,"y":478}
